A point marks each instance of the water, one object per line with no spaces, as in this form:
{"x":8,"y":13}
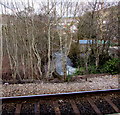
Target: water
{"x":58,"y":64}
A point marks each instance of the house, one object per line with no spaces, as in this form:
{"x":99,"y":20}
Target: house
{"x":68,"y":23}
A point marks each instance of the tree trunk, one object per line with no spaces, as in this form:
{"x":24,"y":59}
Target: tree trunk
{"x":49,"y":49}
{"x":1,"y":52}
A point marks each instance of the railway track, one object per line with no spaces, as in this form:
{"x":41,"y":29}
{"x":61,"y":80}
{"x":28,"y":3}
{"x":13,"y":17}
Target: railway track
{"x":98,"y":102}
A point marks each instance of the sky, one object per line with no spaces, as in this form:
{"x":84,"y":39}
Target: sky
{"x":59,"y":0}
{"x":38,"y":2}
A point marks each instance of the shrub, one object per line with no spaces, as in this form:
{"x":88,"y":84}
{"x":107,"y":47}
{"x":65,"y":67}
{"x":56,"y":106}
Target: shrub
{"x":80,"y":71}
{"x":69,"y":77}
{"x":92,"y":69}
{"x":104,"y":58}
{"x":112,"y":66}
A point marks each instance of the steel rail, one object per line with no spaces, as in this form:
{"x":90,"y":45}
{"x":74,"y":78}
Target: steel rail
{"x":57,"y":101}
{"x":59,"y":94}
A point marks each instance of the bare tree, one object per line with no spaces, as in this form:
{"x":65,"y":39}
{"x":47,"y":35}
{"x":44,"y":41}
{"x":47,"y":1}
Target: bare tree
{"x":32,"y":38}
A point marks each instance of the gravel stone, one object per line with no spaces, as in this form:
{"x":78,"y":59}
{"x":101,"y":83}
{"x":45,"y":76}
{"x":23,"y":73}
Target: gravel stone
{"x":98,"y":83}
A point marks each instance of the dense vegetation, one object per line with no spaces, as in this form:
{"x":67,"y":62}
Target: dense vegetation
{"x":97,"y":57}
{"x":30,"y":40}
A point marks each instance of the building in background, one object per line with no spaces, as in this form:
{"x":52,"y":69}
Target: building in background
{"x":68,"y":23}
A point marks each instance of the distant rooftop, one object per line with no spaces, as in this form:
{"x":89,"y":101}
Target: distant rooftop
{"x":90,"y":41}
{"x":85,"y":41}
